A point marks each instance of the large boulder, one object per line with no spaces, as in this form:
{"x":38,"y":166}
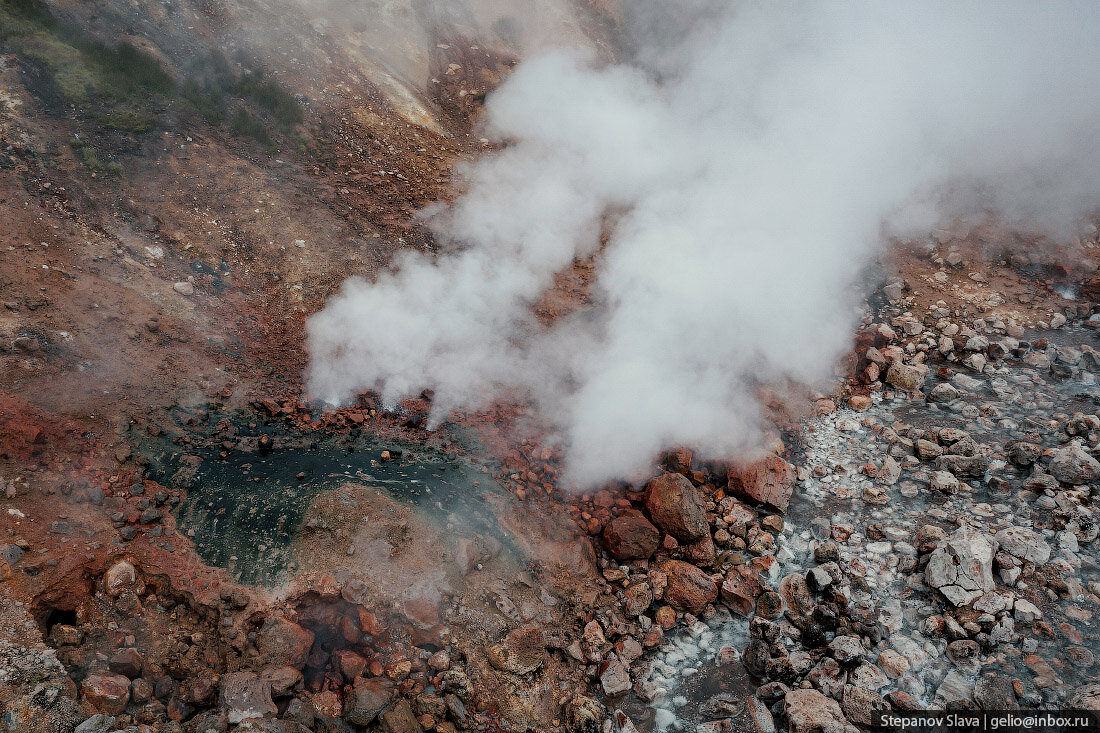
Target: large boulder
{"x":1073,"y":465}
{"x":994,"y":692}
{"x":862,"y":706}
{"x":959,"y":465}
{"x":400,"y":719}
{"x":769,"y":481}
{"x":740,"y":589}
{"x":1086,"y":697}
{"x":688,"y":587}
{"x":808,"y":711}
{"x":796,"y":595}
{"x":961,"y":567}
{"x":1022,"y":452}
{"x":908,"y":377}
{"x":614,"y":677}
{"x":631,"y":537}
{"x":369,"y":698}
{"x":244,"y":696}
{"x":109,"y":693}
{"x":119,"y":577}
{"x":677,"y":507}
{"x":1024,"y":543}
{"x":283,"y":642}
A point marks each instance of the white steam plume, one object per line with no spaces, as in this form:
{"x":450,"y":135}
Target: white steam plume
{"x":745,"y":174}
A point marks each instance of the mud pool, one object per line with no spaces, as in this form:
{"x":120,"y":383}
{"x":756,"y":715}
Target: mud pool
{"x":243,"y":510}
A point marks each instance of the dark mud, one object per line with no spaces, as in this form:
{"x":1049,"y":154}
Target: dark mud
{"x":244,"y":508}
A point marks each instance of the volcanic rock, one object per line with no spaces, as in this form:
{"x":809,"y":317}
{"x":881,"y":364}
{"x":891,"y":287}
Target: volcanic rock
{"x":1024,"y":543}
{"x":400,"y":719}
{"x":631,"y":537}
{"x":943,"y":392}
{"x":127,"y":662}
{"x":637,"y":599}
{"x":1026,"y":611}
{"x":1022,"y":453}
{"x":908,"y":377}
{"x":961,"y":567}
{"x":283,"y":642}
{"x":350,"y":664}
{"x":995,"y":693}
{"x":944,"y":482}
{"x":244,"y":695}
{"x":369,"y":698}
{"x":1086,"y":697}
{"x":926,"y":449}
{"x":769,"y":481}
{"x":846,"y":649}
{"x":702,"y":553}
{"x":283,"y":679}
{"x":863,"y":706}
{"x":689,"y":588}
{"x":676,"y":507}
{"x":890,"y":471}
{"x":756,"y":656}
{"x":769,"y":605}
{"x":1073,"y":465}
{"x":740,"y":589}
{"x":955,"y":688}
{"x":868,"y":677}
{"x":614,"y":677}
{"x":973,"y":466}
{"x":11,"y":554}
{"x":109,"y":693}
{"x":119,"y":577}
{"x":808,"y":711}
{"x":98,"y":723}
{"x":829,"y":677}
{"x":818,"y":578}
{"x":796,"y":595}
{"x":893,"y":664}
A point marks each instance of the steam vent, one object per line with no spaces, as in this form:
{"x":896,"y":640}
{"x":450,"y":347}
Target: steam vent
{"x":570,"y":366}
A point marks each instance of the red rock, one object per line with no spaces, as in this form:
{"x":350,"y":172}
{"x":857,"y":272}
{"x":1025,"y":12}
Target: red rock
{"x":677,"y":507}
{"x":119,"y":577}
{"x":631,"y":537}
{"x":400,"y":719}
{"x":283,"y":642}
{"x":637,"y":599}
{"x":201,"y":688}
{"x":349,"y":629}
{"x":770,"y":481}
{"x":244,"y":696}
{"x":109,"y":693}
{"x":808,"y":711}
{"x":678,"y":460}
{"x":350,"y":664}
{"x":327,"y":704}
{"x":368,"y":624}
{"x":665,"y":617}
{"x":126,"y":662}
{"x":283,"y":679}
{"x":740,"y":590}
{"x":689,"y":588}
{"x":701,"y":552}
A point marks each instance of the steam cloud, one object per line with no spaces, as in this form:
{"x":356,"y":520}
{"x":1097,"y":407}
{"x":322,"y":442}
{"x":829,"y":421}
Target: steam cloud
{"x":744,"y":174}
